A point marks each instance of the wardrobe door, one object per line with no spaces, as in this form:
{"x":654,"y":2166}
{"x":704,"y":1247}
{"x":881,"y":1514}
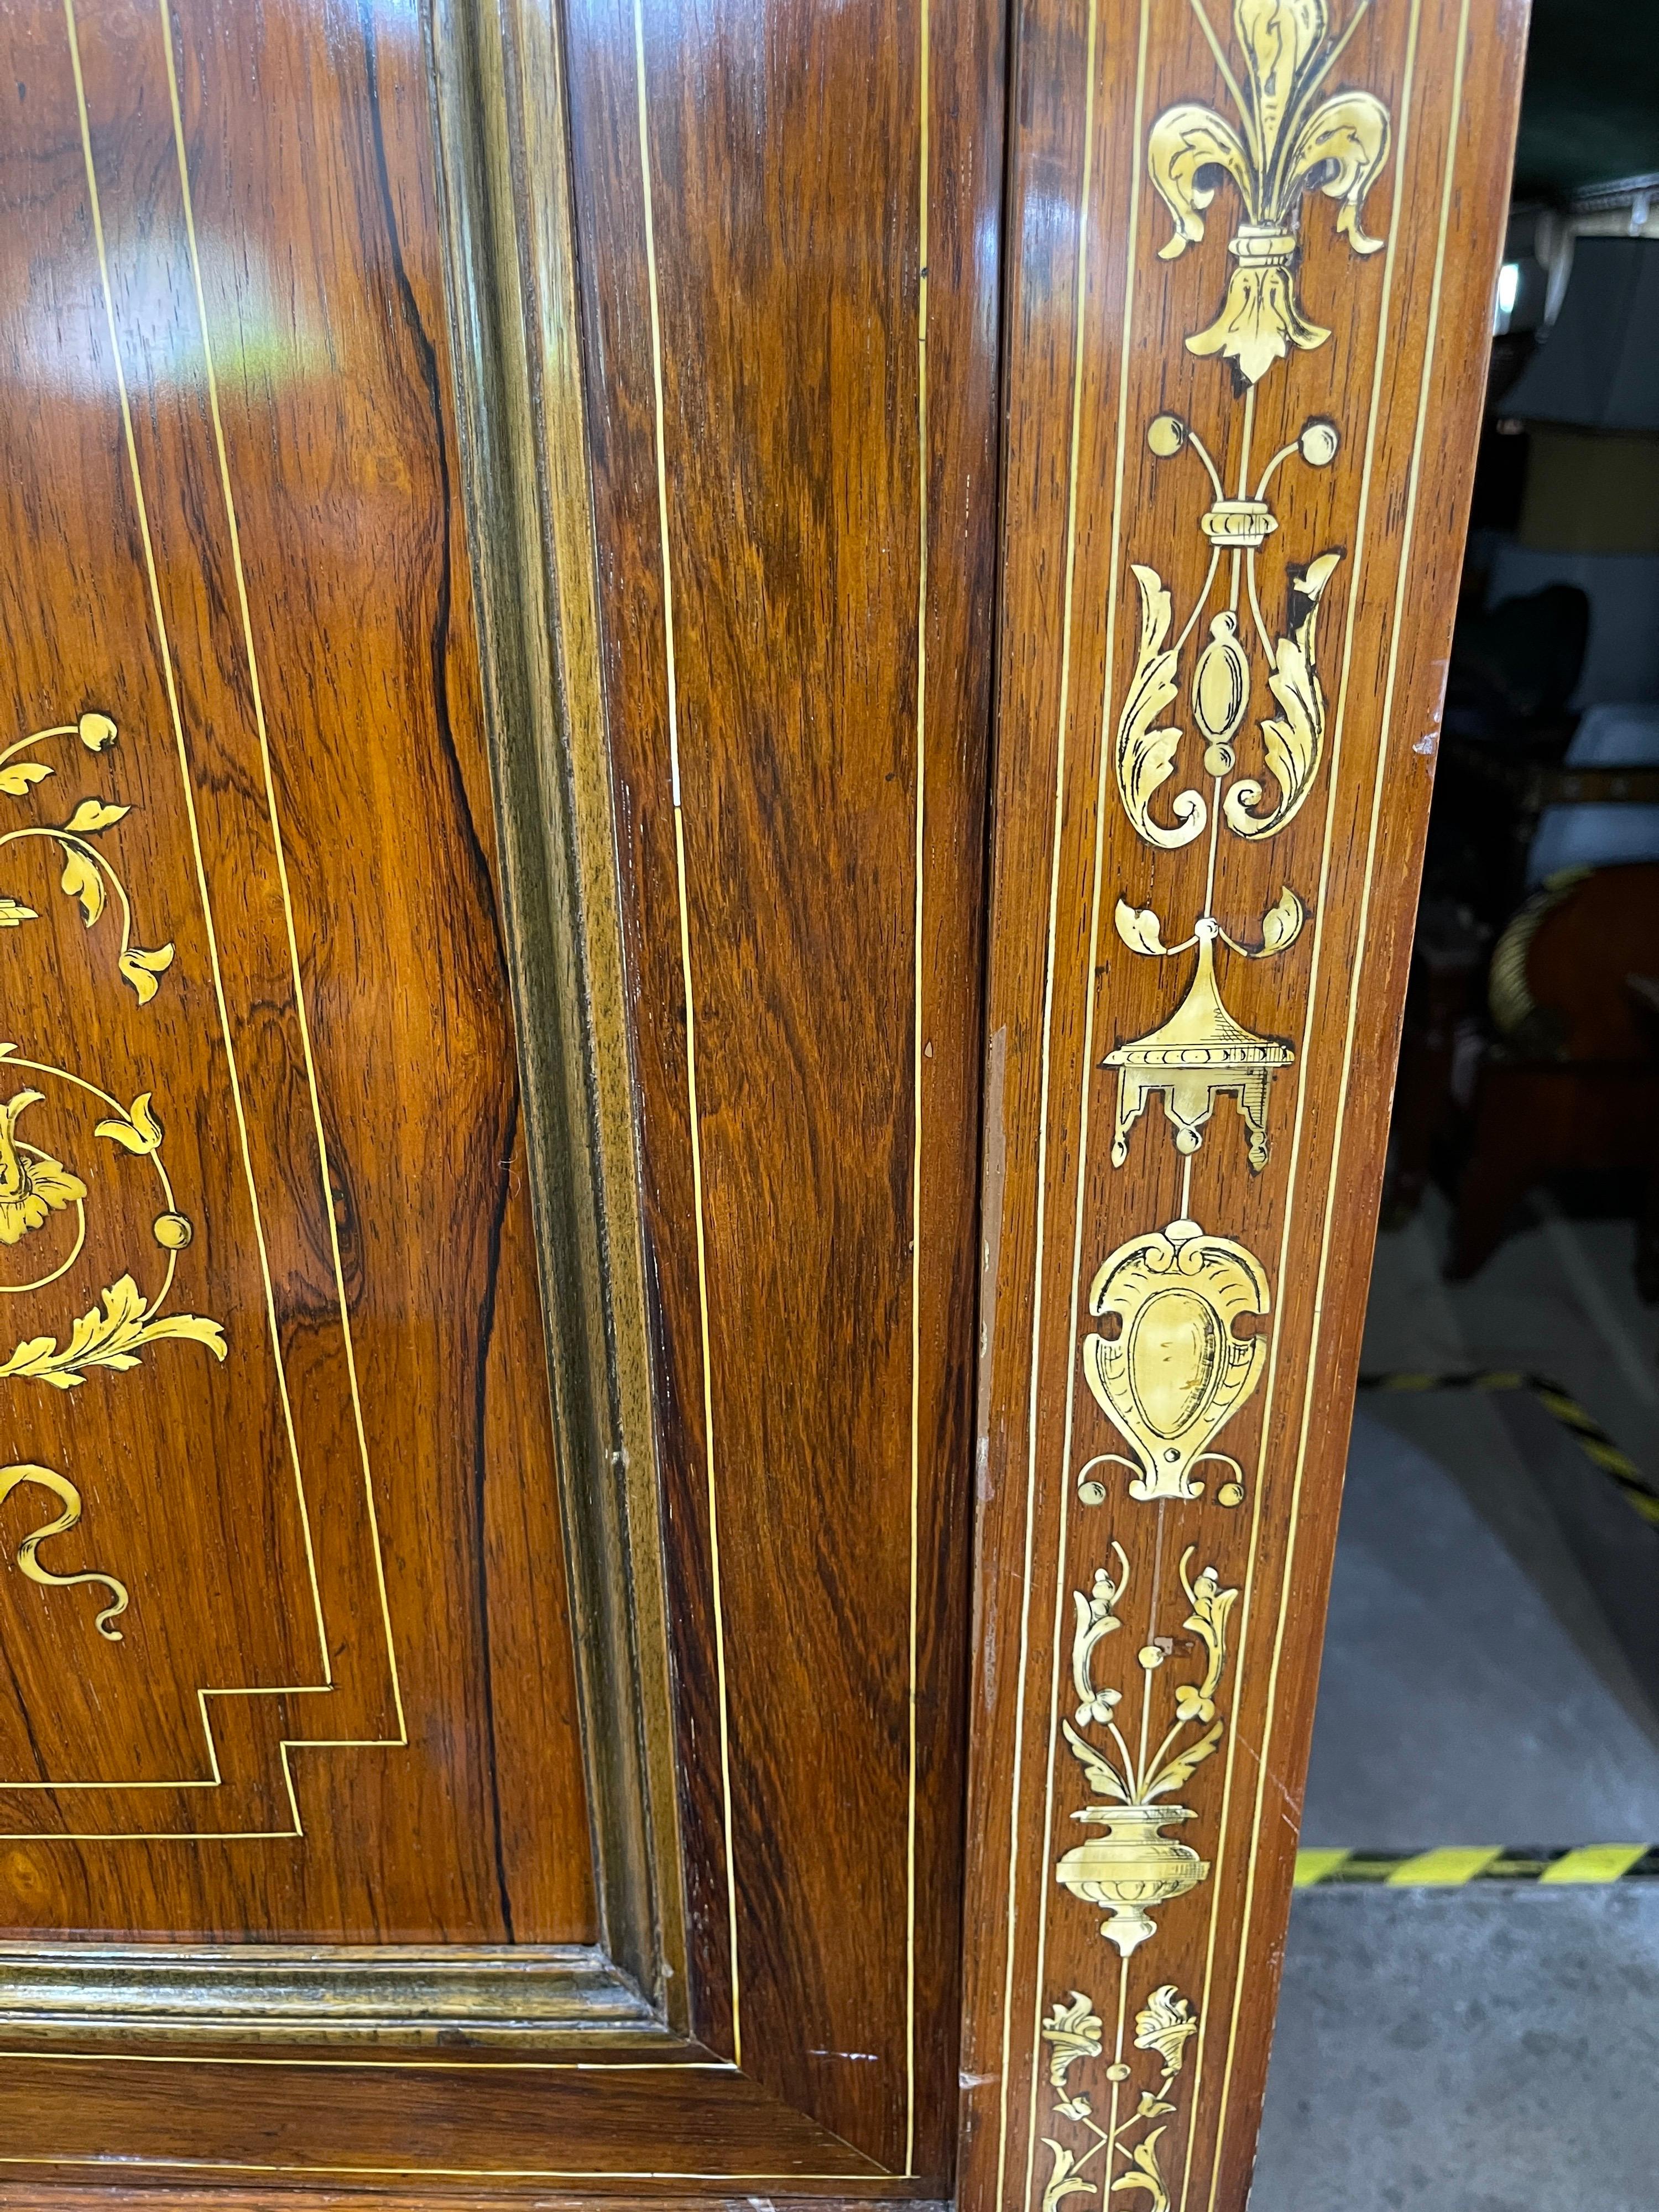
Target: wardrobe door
{"x":501,"y":533}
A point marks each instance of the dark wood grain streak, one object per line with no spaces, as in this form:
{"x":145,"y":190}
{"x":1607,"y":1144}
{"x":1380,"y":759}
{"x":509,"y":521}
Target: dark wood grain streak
{"x":784,"y":150}
{"x":508,"y":1141}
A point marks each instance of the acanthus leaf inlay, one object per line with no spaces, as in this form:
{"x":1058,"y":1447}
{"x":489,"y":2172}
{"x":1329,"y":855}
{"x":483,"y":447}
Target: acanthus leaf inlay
{"x":1128,"y":2145}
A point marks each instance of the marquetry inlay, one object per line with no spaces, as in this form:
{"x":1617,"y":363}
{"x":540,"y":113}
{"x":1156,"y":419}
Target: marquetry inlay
{"x":1253,"y":246}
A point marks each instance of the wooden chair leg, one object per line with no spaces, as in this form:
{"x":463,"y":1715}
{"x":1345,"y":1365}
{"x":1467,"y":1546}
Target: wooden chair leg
{"x":1441,"y":986}
{"x":1502,"y":1169}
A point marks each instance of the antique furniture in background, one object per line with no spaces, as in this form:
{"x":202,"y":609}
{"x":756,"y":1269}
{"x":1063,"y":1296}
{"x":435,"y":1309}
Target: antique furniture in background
{"x":1515,"y":838}
{"x":1570,"y":1082}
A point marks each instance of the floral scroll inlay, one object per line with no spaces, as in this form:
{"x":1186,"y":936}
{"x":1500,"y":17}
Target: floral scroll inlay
{"x":89,"y":876}
{"x":1133,"y":1867}
{"x":33,"y":1186}
{"x":1292,"y":137}
{"x":1203,"y":1050}
{"x":1217,"y":742}
{"x":38,"y":1187}
{"x":28,"y":1558}
{"x":1128,"y":2145}
{"x":126,"y":1319}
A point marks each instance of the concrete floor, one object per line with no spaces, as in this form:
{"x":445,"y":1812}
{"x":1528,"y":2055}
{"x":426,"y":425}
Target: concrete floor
{"x":1469,"y":1694}
{"x":1465,"y":2050}
{"x":1496,"y":2049}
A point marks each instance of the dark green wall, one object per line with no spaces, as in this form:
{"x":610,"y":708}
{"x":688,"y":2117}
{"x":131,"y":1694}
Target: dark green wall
{"x":1590,"y":107}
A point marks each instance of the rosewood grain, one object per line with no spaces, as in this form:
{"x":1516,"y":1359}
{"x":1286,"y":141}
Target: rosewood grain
{"x":823,"y":317}
{"x":306,"y":137}
{"x":763,"y":606}
{"x":815,"y":1360}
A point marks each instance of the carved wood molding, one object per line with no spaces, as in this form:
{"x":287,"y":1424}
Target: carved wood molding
{"x":510,"y":230}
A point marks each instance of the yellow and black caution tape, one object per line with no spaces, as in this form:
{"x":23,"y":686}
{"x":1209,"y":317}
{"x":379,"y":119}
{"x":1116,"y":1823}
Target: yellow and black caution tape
{"x":1586,"y":1431}
{"x":1453,"y":1866}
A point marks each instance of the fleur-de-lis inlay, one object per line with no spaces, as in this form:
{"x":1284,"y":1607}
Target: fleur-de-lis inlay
{"x":1289,"y":142}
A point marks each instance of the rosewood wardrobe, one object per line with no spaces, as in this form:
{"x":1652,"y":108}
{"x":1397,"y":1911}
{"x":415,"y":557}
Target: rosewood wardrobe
{"x":717,"y":721}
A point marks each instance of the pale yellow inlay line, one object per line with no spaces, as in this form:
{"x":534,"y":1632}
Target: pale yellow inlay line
{"x":869,"y":2173}
{"x":1023,"y":1667}
{"x":257,"y":697}
{"x":215,"y":1779}
{"x":177,"y":716}
{"x":917,"y":1042}
{"x":691,"y":1024}
{"x":1269,"y":1394}
{"x":1092,"y":993}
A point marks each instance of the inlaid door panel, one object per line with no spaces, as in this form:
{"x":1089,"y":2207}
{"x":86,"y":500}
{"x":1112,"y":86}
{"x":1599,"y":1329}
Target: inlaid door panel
{"x":505,"y":513}
{"x":271,"y":1316}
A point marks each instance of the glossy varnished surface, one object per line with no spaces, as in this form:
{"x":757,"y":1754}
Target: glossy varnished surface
{"x":300,"y":525}
{"x":1097,"y":325}
{"x":788,"y":222}
{"x":676,"y":2125}
{"x":790,"y":396}
{"x":760,"y":448}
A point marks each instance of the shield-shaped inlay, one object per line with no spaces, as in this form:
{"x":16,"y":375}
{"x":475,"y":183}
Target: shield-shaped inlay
{"x":1176,"y":1373}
